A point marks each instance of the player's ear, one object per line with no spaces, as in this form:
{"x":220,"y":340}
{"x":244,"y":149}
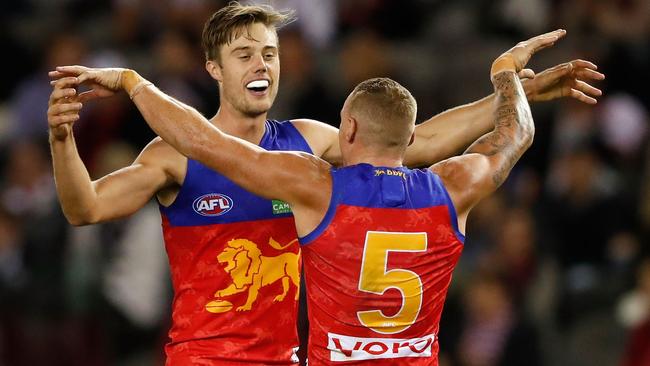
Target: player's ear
{"x":214,"y":69}
{"x":350,"y":129}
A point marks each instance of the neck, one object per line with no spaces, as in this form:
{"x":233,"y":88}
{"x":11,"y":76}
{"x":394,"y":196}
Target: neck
{"x":374,"y":159}
{"x":239,"y":125}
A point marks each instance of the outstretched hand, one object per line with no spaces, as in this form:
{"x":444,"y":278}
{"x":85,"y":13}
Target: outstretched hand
{"x":570,"y":79}
{"x":516,"y":58}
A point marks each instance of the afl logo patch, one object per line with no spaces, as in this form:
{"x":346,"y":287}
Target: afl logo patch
{"x":212,"y":204}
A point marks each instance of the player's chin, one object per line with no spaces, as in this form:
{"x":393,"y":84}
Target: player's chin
{"x":257,"y":109}
{"x":261,"y":105}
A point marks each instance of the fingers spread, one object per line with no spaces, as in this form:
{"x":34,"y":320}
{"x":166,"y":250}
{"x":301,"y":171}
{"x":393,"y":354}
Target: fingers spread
{"x":586,"y":88}
{"x":553,"y":74}
{"x":584,"y":64}
{"x":582,"y":96}
{"x":577,"y":69}
{"x":589,"y":74}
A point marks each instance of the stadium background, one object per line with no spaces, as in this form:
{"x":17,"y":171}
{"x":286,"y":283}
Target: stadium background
{"x":555,"y":270}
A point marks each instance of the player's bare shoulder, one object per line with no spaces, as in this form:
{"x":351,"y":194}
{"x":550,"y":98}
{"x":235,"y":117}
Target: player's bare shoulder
{"x":463,"y":178}
{"x":320,"y":136}
{"x":160,"y":155}
{"x":315,"y":165}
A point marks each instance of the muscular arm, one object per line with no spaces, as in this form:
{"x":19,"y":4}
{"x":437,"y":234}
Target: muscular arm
{"x":322,"y":138}
{"x":488,"y":161}
{"x":289,"y":176}
{"x":442,"y":136}
{"x":116,"y":195}
{"x":448,"y":133}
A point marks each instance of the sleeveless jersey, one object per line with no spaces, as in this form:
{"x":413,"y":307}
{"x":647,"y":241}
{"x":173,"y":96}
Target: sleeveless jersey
{"x":235,"y":268}
{"x":378,"y":267}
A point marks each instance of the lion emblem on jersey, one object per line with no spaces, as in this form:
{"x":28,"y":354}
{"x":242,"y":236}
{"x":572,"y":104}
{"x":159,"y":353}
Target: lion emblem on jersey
{"x":250,"y":271}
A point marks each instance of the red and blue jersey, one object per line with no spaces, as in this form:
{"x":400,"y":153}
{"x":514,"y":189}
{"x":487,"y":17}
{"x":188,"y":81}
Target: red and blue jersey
{"x":235,"y":268}
{"x":378,"y":267}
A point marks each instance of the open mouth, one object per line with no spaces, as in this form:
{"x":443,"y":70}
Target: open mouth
{"x":258,"y":86}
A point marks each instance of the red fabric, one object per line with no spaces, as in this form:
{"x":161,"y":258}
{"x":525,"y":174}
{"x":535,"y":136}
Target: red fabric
{"x":264,"y":335}
{"x":333,"y":263}
{"x":637,"y":352}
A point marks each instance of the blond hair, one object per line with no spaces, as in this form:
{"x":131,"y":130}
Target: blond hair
{"x":386,"y":112}
{"x":229,"y":22}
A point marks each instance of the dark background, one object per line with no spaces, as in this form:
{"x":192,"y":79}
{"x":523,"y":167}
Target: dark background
{"x":555,"y":270}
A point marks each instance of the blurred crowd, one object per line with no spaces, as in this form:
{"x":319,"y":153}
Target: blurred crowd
{"x":556,"y":267}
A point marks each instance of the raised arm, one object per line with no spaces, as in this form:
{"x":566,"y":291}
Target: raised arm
{"x":488,"y":161}
{"x":288,"y":176}
{"x":116,"y":195}
{"x":448,"y":133}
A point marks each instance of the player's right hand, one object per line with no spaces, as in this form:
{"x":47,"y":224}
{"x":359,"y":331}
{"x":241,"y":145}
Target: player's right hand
{"x":63,"y":107}
{"x":103,"y":82}
{"x":570,"y":79}
{"x":516,"y":58}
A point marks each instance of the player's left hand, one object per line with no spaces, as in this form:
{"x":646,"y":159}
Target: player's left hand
{"x":103,"y":82}
{"x":570,"y":79}
{"x":516,"y":58}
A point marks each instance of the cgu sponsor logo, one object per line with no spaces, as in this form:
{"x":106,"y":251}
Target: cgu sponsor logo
{"x":346,"y":348}
{"x":212,"y":204}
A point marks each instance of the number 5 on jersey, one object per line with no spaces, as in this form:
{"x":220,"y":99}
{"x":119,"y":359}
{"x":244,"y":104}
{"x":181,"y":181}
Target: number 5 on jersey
{"x":374,"y":278}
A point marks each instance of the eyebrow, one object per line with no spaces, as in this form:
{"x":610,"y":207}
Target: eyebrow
{"x":242,"y":48}
{"x":247,"y":48}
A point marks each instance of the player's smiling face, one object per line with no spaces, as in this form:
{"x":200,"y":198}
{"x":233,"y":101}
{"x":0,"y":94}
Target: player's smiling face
{"x":250,"y":70}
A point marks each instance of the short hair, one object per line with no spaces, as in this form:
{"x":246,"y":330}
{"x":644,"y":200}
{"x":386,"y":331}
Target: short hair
{"x":228,"y":23}
{"x":387,"y":112}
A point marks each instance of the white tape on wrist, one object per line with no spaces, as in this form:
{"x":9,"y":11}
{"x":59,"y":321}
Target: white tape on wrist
{"x":139,"y":87}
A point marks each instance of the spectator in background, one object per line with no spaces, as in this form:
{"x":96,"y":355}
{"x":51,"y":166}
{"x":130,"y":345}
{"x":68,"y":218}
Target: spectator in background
{"x":179,"y":70}
{"x":431,"y":31}
{"x":634,"y":313}
{"x":138,"y":22}
{"x":317,"y":20}
{"x":515,"y":252}
{"x":584,"y":212}
{"x":493,"y":332}
{"x":369,"y":47}
{"x":303,"y":92}
{"x":29,"y":101}
{"x":35,"y":251}
{"x":119,"y":270}
{"x":12,"y":274}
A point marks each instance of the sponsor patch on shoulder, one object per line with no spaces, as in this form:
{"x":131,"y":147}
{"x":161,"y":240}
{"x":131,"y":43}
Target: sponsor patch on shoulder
{"x":346,"y":348}
{"x":280,"y":207}
{"x":212,"y":204}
